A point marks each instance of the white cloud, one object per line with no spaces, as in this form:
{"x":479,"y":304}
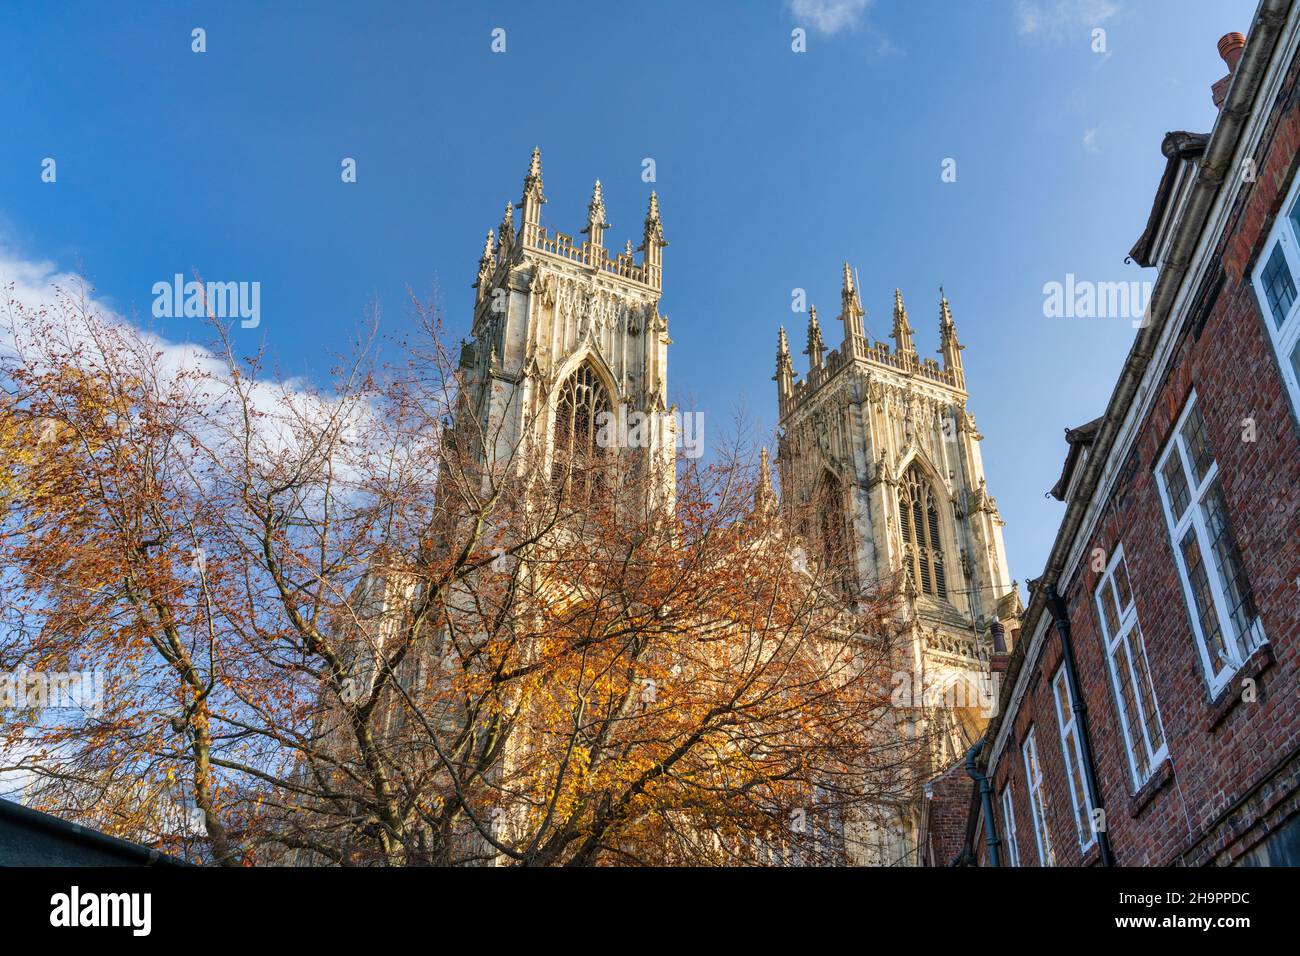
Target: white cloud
{"x":1090,"y":141}
{"x":1062,"y":19}
{"x":828,"y":16}
{"x":65,"y":303}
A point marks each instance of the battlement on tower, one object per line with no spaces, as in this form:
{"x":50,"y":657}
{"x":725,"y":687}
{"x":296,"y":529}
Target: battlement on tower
{"x":878,"y":353}
{"x":508,"y":245}
{"x":622,"y":264}
{"x":856,"y":350}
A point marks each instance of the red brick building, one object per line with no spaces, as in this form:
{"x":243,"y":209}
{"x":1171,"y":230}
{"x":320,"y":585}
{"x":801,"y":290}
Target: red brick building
{"x":1150,"y":712}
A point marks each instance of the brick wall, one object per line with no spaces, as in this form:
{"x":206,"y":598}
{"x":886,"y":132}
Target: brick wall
{"x":948,"y":810}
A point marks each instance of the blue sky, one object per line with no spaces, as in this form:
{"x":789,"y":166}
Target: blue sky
{"x":772,"y":168}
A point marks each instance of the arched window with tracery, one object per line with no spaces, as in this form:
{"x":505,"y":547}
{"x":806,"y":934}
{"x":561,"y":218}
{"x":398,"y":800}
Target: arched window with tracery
{"x":578,"y":418}
{"x":837,"y":552}
{"x":918,"y":519}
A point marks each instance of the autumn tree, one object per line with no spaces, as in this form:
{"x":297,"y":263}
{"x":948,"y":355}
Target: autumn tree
{"x":330,"y":629}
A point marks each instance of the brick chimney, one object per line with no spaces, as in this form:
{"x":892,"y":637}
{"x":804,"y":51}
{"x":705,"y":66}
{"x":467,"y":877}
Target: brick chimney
{"x":1231,"y":46}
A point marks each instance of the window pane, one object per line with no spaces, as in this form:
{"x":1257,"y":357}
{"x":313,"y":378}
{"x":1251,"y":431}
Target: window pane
{"x":1278,"y":286}
{"x":1295,"y":361}
{"x":1073,"y":762}
{"x":1110,"y":617}
{"x":1128,"y":702}
{"x":1176,"y":484}
{"x":1049,"y":855}
{"x":1009,"y":823}
{"x":1198,"y":449}
{"x":1120,"y":577}
{"x":1204,"y":601}
{"x":1038,"y":802}
{"x":1062,"y":695}
{"x":1082,"y":819}
{"x":1155,"y":733}
{"x":1236,"y":589}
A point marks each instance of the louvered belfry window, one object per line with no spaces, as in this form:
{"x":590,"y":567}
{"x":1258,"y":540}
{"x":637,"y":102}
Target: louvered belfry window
{"x":581,"y":402}
{"x":918,"y":519}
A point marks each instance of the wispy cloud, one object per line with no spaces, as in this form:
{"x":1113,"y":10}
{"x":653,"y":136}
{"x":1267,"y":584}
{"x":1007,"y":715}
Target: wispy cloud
{"x":828,"y":16}
{"x":66,"y":307}
{"x":1090,"y":141}
{"x":1061,"y":19}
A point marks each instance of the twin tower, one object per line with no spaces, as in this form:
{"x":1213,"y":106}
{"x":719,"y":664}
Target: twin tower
{"x":876,"y":443}
{"x":878,"y":436}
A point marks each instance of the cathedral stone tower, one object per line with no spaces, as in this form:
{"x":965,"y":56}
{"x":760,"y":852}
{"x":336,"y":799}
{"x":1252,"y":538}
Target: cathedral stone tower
{"x":564,"y":331}
{"x":880,"y":458}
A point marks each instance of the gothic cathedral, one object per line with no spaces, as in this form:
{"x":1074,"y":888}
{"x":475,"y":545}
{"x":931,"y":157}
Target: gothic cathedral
{"x":878,"y":440}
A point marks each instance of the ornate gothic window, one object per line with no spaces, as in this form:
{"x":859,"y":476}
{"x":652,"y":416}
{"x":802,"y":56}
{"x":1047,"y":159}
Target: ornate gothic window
{"x":837,"y":555}
{"x":918,"y":519}
{"x":582,"y":399}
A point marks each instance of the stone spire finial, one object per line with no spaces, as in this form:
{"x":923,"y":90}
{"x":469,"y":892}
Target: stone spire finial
{"x":506,"y":233}
{"x":596,"y":224}
{"x":484,"y":267}
{"x":532,"y":200}
{"x":902,"y":333}
{"x":653,"y":243}
{"x":764,"y":493}
{"x":949,"y":347}
{"x":784,"y":376}
{"x":816,"y":346}
{"x":851,"y":311}
{"x":654,"y":226}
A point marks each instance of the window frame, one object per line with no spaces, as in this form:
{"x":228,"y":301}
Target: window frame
{"x":1037,"y":800}
{"x":922,"y":540}
{"x":1009,"y":827}
{"x":1191,"y":518}
{"x":1127,"y":625}
{"x":576,"y":453}
{"x":1072,"y":752}
{"x":835,"y":530}
{"x":1283,"y":333}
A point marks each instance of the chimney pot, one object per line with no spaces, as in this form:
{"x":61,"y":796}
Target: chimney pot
{"x":999,"y":638}
{"x":1230,"y":47}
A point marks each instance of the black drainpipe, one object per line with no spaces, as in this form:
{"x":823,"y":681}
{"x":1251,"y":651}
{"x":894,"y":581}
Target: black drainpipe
{"x":986,"y":799}
{"x":1062,"y":622}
